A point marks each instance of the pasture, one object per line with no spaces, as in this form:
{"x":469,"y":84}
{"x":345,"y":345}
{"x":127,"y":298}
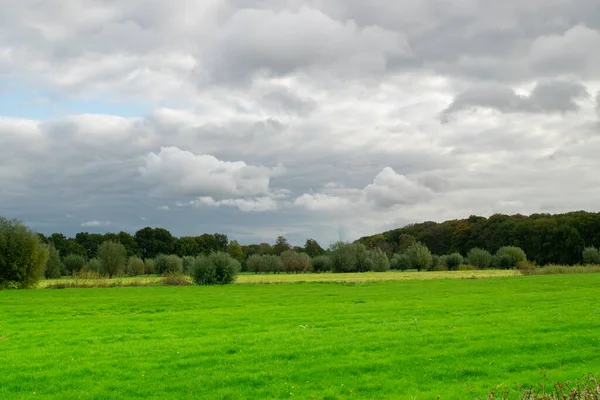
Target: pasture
{"x":456,"y":338}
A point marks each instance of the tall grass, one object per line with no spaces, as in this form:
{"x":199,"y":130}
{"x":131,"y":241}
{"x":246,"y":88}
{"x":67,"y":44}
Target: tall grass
{"x":587,"y":388}
{"x":561,"y":269}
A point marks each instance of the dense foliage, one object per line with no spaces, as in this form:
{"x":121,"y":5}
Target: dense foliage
{"x":22,"y":255}
{"x":545,"y":238}
{"x":215,"y":269}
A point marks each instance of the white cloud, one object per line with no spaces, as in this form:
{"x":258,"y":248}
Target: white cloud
{"x":96,"y":224}
{"x":258,"y":204}
{"x":175,"y":172}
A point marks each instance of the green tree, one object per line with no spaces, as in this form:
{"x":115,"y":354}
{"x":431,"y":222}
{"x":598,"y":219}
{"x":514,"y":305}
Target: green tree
{"x":113,"y":257}
{"x":153,"y":242}
{"x":235,"y":250}
{"x":168,"y":264}
{"x":420,"y":256}
{"x":215,"y":269}
{"x":591,"y":256}
{"x":321,"y":264}
{"x":73,"y":263}
{"x":22,"y":254}
{"x":510,"y":256}
{"x":53,"y":265}
{"x":264,"y":263}
{"x":381,"y":263}
{"x":364,"y":262}
{"x":135,"y":266}
{"x":479,"y":258}
{"x":453,"y":261}
{"x":295,"y":262}
{"x":281,"y":245}
{"x":313,"y":248}
{"x":94,"y":265}
{"x":401,"y":262}
{"x":343,"y":257}
{"x":149,"y":266}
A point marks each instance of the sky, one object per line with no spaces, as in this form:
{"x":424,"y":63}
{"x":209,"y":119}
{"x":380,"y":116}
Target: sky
{"x":329,"y":119}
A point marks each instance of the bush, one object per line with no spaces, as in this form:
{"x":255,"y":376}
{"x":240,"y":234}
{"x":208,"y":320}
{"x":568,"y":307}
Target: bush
{"x":435,"y":262}
{"x":510,"y":256}
{"x":420,"y":256}
{"x":453,"y":261}
{"x":113,"y":257}
{"x":73,"y":263}
{"x":321,"y":264}
{"x":170,"y":264}
{"x":343,"y":257}
{"x":135,"y":266}
{"x":264,"y":264}
{"x":215,"y":269}
{"x":364,"y":262}
{"x":22,"y":255}
{"x":591,"y":256}
{"x":381,"y":263}
{"x":94,"y":265}
{"x":175,"y":280}
{"x":53,"y":265}
{"x":401,"y":262}
{"x":479,"y":258}
{"x":186,"y":264}
{"x":294,"y":262}
{"x":149,"y":266}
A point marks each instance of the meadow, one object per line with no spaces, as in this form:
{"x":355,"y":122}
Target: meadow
{"x":456,"y":338}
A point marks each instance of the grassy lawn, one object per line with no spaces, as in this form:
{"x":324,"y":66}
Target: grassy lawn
{"x":249,"y":278}
{"x":405,"y":339}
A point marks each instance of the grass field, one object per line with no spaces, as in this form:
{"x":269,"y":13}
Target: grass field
{"x":406,"y":339}
{"x":249,"y":278}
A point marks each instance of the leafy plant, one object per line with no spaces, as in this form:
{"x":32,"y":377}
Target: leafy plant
{"x":215,"y":269}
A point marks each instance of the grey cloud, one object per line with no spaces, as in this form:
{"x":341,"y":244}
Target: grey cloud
{"x":546,"y":97}
{"x":285,"y":101}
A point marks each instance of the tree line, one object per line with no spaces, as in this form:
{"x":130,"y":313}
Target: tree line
{"x":545,"y":238}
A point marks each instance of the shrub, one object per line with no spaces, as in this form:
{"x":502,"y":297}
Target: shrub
{"x":135,"y":266}
{"x":453,"y":261}
{"x":73,"y":263}
{"x":149,"y":266}
{"x":294,"y":262}
{"x":591,"y":256}
{"x":264,"y":264}
{"x":466,"y":267}
{"x":381,"y":263}
{"x":480,"y":258}
{"x":175,"y":280}
{"x":53,"y":265}
{"x":22,"y":255}
{"x":170,"y":264}
{"x":113,"y":257}
{"x":420,"y":256}
{"x":343,"y":257}
{"x":321,"y":264}
{"x":587,"y":388}
{"x":435,"y":262}
{"x":364,"y":261}
{"x":510,"y":256}
{"x":401,"y":262}
{"x":186,"y":264}
{"x":215,"y":269}
{"x":87,"y":274}
{"x":94,"y":265}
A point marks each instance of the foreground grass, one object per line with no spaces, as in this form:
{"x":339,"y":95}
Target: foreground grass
{"x":248,"y":278}
{"x":410,"y":339}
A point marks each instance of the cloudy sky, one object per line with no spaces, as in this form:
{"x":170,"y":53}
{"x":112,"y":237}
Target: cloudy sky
{"x":329,"y":119}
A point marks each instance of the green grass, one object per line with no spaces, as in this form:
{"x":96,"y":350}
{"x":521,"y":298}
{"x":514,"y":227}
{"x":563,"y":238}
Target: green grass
{"x":250,"y":278}
{"x":407,"y":339}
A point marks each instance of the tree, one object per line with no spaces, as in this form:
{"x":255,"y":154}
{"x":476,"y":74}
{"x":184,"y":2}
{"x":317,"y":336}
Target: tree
{"x":281,"y":245}
{"x":153,"y":242}
{"x":53,"y":265}
{"x":510,"y":256}
{"x":313,"y":249}
{"x":235,"y":250}
{"x":364,"y":262}
{"x":264,"y":264}
{"x":295,"y":262}
{"x":216,"y":269}
{"x":188,"y":246}
{"x":343,"y":257}
{"x":135,"y":266}
{"x":381,"y":263}
{"x":591,"y":256}
{"x":321,"y":264}
{"x":73,"y":263}
{"x":479,"y":258}
{"x":127,"y":240}
{"x":404,"y":242}
{"x":149,"y":266}
{"x":168,"y":264}
{"x":265,"y":248}
{"x":94,"y":265}
{"x":113,"y":257}
{"x":453,"y":261}
{"x":186,"y":263}
{"x":401,"y":262}
{"x":22,"y":255}
{"x":420,"y":256}
{"x":90,"y":242}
